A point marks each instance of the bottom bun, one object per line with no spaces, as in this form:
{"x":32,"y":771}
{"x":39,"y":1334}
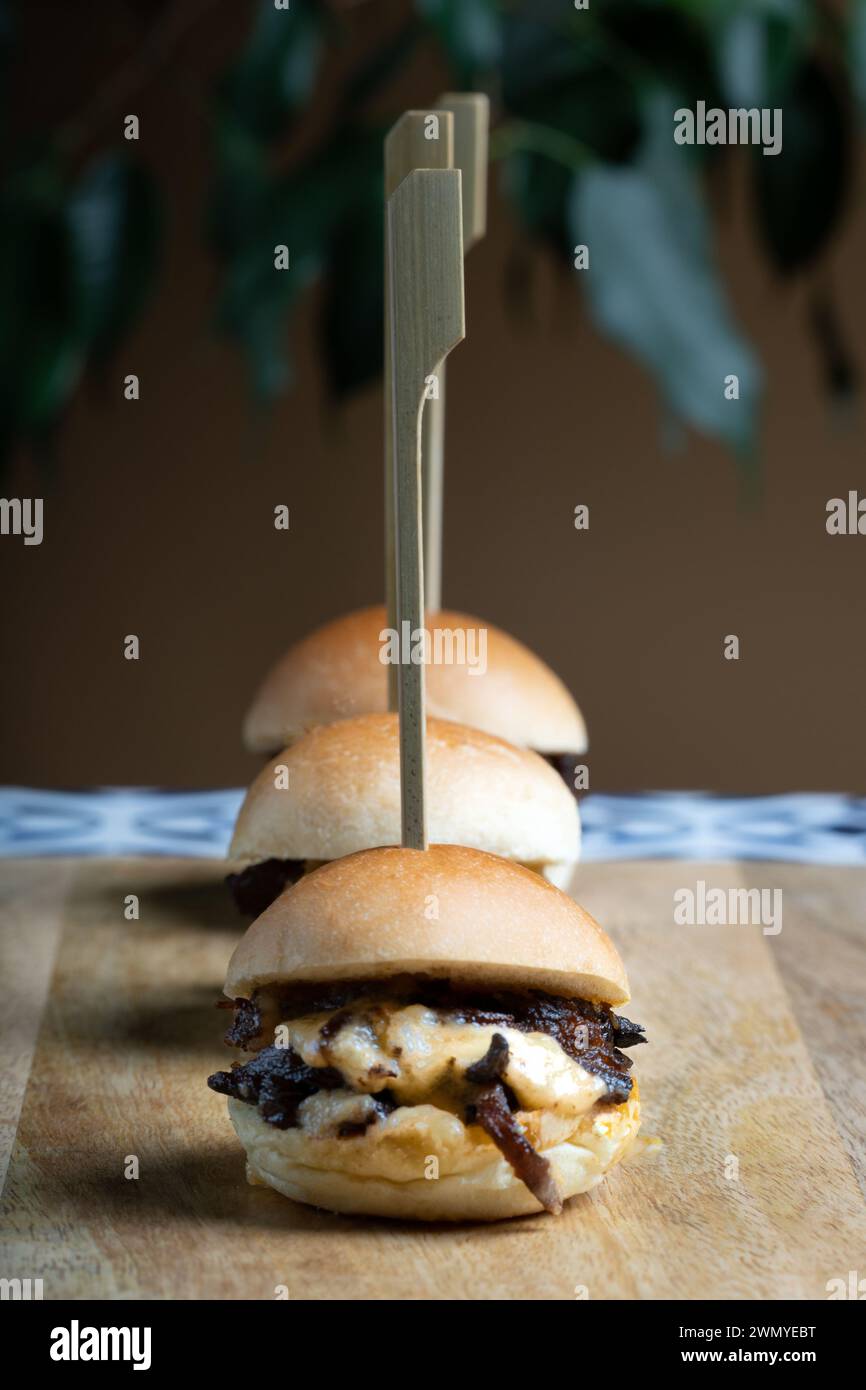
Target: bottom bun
{"x":475,"y":1182}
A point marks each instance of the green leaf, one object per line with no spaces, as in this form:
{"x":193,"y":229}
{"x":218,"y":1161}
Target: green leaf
{"x":550,"y":81}
{"x":800,"y":192}
{"x":277,"y":72}
{"x":114,"y":223}
{"x":41,"y":345}
{"x":857,"y":50}
{"x":757,"y":55}
{"x":712,"y":11}
{"x":741,"y":60}
{"x":653,"y":286}
{"x":599,"y":110}
{"x":537,"y":52}
{"x":352,"y":325}
{"x":655,"y":45}
{"x":255,"y":299}
{"x":827,"y":329}
{"x":469,"y":31}
{"x":540,"y":187}
{"x":260,"y":333}
{"x":239,"y":200}
{"x":303,"y":210}
{"x":374,"y":71}
{"x":253,"y":307}
{"x":7,"y":33}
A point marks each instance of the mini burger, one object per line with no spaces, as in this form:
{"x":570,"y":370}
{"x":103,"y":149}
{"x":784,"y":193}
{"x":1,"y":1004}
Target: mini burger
{"x":429,"y":1034}
{"x":337,"y":790}
{"x":483,"y":678}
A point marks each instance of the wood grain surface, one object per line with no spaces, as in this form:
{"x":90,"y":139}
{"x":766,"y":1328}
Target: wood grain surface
{"x":755,"y":1065}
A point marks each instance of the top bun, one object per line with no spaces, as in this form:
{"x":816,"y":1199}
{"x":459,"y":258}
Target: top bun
{"x":335,"y":673}
{"x":343,"y":795}
{"x":447,"y":912}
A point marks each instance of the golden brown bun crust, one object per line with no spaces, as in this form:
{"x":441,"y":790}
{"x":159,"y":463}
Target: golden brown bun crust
{"x":448,"y":912}
{"x":335,"y":673}
{"x":343,"y":795}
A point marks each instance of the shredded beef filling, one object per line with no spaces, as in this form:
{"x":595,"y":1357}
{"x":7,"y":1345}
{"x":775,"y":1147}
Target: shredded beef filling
{"x":276,"y":1080}
{"x":492,"y":1112}
{"x":491,"y":1066}
{"x":257,"y":886}
{"x":590,"y":1034}
{"x":246,"y":1025}
{"x":493,"y":1109}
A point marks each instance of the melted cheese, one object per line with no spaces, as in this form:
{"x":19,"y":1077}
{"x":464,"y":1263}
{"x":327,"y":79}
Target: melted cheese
{"x":421,"y":1056}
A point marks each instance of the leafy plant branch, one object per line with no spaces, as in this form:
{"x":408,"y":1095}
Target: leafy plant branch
{"x":583,"y":136}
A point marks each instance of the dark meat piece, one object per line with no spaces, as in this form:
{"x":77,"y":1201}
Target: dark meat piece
{"x":257,"y":886}
{"x":490,"y":1110}
{"x":626,"y":1033}
{"x":246,"y":1024}
{"x":257,"y":1025}
{"x":586,"y":1033}
{"x":566,"y":764}
{"x":490,"y":1067}
{"x":276,"y":1081}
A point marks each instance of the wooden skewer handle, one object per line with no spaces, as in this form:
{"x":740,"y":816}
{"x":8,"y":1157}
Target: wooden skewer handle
{"x":425,"y":256}
{"x":419,"y":140}
{"x":471,"y":114}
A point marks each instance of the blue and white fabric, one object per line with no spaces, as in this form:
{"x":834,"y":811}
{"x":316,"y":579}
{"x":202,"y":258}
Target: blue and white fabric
{"x":823,"y":828}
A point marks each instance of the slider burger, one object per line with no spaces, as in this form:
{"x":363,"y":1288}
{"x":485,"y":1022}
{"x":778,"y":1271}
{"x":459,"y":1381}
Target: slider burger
{"x":501,"y":687}
{"x":337,"y":790}
{"x":431,"y":1036}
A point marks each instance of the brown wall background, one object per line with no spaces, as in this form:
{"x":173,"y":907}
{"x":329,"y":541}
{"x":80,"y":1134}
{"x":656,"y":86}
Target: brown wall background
{"x":158,"y":515}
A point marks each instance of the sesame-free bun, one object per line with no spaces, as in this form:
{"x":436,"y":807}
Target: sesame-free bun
{"x":335,"y":673}
{"x":342,"y":794}
{"x":381,"y":1173}
{"x":448,"y":912}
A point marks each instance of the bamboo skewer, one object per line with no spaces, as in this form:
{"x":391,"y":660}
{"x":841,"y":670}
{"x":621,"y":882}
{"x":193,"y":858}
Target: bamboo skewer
{"x":426,"y":320}
{"x":471,"y":113}
{"x":408,"y":145}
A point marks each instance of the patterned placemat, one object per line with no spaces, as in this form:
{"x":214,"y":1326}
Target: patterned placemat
{"x":820,"y":828}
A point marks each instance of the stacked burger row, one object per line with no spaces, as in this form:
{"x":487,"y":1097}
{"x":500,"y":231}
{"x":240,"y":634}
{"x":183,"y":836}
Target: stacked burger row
{"x":421,"y":1033}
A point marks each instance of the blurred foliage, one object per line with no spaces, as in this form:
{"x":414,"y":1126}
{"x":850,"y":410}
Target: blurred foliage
{"x":583,"y":103}
{"x":653,"y":286}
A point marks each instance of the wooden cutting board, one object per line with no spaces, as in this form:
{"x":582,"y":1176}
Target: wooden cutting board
{"x":755,"y":1067}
